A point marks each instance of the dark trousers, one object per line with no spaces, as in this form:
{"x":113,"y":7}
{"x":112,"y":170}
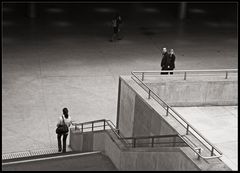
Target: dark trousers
{"x":164,"y":70}
{"x":64,"y":142}
{"x":167,"y":72}
{"x":115,"y":35}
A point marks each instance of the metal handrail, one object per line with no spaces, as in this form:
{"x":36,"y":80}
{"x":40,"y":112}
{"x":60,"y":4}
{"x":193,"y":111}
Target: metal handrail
{"x":106,"y":123}
{"x":153,"y":142}
{"x":119,"y":136}
{"x":226,"y":71}
{"x":149,"y":91}
{"x":148,"y":137}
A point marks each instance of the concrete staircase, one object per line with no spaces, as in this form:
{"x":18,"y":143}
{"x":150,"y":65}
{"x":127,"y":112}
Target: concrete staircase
{"x":54,"y":161}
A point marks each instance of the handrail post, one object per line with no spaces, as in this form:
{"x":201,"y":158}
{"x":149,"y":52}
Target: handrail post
{"x":226,"y":75}
{"x":134,"y":142}
{"x":185,"y":75}
{"x":167,"y":110}
{"x":187,"y":129}
{"x":199,"y":151}
{"x":92,"y":126}
{"x":82,"y":127}
{"x":142,"y":76}
{"x":174,"y":141}
{"x":104,"y":124}
{"x":212,"y":151}
{"x":152,"y":141}
{"x":118,"y":132}
{"x":75,"y":127}
{"x":149,"y":91}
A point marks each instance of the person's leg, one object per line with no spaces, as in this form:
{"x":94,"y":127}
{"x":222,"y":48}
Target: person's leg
{"x":171,"y":72}
{"x":59,"y":142}
{"x":115,"y":31}
{"x":163,"y":73}
{"x":119,"y":35}
{"x":64,"y":142}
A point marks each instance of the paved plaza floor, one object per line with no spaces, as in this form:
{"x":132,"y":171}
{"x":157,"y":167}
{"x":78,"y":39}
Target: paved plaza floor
{"x":65,"y":59}
{"x":218,"y":124}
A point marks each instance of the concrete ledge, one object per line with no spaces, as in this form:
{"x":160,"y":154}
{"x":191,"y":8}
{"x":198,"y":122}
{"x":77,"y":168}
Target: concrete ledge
{"x":197,"y":93}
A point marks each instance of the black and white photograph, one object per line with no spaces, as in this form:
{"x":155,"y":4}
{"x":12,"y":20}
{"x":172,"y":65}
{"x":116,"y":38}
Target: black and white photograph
{"x":119,"y":85}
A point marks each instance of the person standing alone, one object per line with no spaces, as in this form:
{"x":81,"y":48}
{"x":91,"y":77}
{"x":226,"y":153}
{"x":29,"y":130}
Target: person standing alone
{"x":117,"y":20}
{"x":65,"y":118}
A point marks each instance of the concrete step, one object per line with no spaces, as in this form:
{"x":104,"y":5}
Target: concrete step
{"x":71,"y":161}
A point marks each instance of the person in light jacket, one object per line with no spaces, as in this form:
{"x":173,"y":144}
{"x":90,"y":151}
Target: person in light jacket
{"x":172,"y":58}
{"x":68,"y":122}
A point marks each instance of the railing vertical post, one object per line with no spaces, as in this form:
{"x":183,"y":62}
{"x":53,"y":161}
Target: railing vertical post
{"x":167,"y":111}
{"x":199,"y":151}
{"x":104,"y":124}
{"x":149,"y":91}
{"x":185,"y":75}
{"x":75,"y":127}
{"x":226,"y":75}
{"x":92,"y":126}
{"x":174,"y":141}
{"x":82,"y":127}
{"x":152,"y":141}
{"x":142,"y":76}
{"x":134,"y":142}
{"x":212,"y":151}
{"x":187,"y":129}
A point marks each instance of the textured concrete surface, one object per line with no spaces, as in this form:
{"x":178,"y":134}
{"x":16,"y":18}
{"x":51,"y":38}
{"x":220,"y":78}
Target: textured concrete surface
{"x":219,"y":124}
{"x":126,"y":109}
{"x":220,"y":131}
{"x":92,"y":162}
{"x":141,"y":158}
{"x":222,"y":92}
{"x":64,"y":59}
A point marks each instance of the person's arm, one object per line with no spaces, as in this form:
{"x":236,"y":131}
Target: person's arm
{"x":70,"y":122}
{"x":163,"y":62}
{"x":59,"y":121}
{"x":174,"y":57}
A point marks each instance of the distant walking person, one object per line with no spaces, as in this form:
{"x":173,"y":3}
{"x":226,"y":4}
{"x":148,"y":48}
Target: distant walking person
{"x":117,"y":20}
{"x":165,"y":63}
{"x":172,"y":58}
{"x":64,"y":119}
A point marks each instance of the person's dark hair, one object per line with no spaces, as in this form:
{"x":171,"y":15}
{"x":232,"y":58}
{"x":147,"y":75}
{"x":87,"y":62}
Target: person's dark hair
{"x":65,"y":112}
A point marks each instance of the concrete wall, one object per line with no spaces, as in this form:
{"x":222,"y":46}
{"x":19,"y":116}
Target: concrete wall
{"x":138,"y":118}
{"x":87,"y":141}
{"x":147,"y":121}
{"x":113,"y":151}
{"x":156,"y":161}
{"x":166,"y":158}
{"x":151,"y":159}
{"x":126,"y":110}
{"x":197,"y":93}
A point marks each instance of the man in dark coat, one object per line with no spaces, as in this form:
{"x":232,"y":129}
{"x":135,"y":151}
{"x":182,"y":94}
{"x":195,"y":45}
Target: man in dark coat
{"x":165,"y":63}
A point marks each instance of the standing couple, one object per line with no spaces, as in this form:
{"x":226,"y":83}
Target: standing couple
{"x":168,"y":60}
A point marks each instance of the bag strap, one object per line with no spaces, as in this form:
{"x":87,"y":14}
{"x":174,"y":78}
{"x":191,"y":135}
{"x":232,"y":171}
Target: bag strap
{"x":63,"y":120}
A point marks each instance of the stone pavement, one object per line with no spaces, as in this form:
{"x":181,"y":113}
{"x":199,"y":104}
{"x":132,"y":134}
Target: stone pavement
{"x":218,"y":124}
